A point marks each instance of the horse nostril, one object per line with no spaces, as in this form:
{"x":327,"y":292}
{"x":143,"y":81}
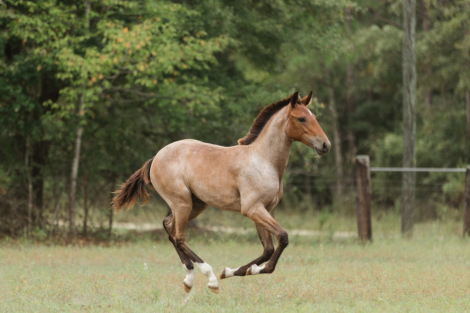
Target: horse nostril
{"x":325,"y":146}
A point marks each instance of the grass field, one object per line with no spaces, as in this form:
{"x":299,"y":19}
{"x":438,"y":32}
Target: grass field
{"x":428,"y":273}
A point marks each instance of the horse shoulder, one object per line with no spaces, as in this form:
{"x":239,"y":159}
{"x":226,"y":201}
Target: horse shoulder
{"x":259,"y":182}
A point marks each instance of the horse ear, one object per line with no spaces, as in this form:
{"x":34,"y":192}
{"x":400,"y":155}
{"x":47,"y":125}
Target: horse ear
{"x":294,"y":99}
{"x":308,"y":99}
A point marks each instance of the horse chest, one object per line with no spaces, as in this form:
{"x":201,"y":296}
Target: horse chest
{"x":262,"y":182}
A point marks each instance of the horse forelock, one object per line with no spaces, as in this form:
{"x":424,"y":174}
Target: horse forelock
{"x":262,"y":119}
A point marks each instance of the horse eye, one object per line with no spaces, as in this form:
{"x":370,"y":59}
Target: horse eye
{"x":301,"y":119}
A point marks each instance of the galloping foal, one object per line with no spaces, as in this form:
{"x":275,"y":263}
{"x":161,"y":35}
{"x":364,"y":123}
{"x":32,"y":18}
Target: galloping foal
{"x":190,"y":175}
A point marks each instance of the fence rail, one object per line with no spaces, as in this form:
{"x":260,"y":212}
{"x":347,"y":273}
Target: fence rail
{"x":418,"y":169}
{"x":363,"y":187}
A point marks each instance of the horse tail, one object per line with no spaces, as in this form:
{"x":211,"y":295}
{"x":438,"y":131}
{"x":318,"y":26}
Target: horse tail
{"x":133,"y":188}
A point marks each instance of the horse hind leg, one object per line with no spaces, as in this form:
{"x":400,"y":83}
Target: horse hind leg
{"x":199,"y":206}
{"x":182,"y":213}
{"x":181,"y":219}
{"x":168,"y":225}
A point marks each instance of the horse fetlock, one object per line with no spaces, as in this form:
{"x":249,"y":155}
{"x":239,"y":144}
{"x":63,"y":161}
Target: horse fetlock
{"x":254,"y":269}
{"x":189,"y":279}
{"x":228,"y":272}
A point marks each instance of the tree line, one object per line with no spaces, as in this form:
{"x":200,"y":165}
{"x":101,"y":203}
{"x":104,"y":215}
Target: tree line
{"x":89,"y":90}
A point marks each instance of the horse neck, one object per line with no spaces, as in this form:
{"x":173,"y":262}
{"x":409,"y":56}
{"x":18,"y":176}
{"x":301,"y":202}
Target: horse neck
{"x":273,"y":144}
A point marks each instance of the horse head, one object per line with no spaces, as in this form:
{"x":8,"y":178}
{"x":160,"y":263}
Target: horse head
{"x":302,"y":125}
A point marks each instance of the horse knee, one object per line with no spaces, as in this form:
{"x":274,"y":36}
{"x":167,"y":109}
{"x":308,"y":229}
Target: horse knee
{"x":283,"y":239}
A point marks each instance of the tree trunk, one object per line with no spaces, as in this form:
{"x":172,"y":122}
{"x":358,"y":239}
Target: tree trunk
{"x":39,"y":159}
{"x":111,"y":211}
{"x":409,"y":115}
{"x":337,"y":144}
{"x":466,"y":216}
{"x":427,"y":66}
{"x":58,"y":197}
{"x":350,"y":100}
{"x":30,"y":183}
{"x":74,"y":175}
{"x":78,"y":145}
{"x":85,"y":205}
{"x":350,"y":103}
{"x":467,"y":99}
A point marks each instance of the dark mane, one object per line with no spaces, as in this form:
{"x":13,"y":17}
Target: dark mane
{"x":261,"y":120}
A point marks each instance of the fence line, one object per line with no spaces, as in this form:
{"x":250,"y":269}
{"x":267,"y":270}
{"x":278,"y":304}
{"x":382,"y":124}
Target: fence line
{"x":418,"y":169}
{"x":363,"y":185}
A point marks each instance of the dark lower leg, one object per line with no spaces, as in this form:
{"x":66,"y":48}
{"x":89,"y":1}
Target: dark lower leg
{"x":271,"y":265}
{"x":266,"y":240}
{"x":168,"y":226}
{"x":262,"y":218}
{"x":181,"y":218}
{"x":205,"y":268}
{"x":185,"y":249}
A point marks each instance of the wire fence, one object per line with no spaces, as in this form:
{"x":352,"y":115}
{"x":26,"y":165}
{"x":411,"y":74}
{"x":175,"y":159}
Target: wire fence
{"x":440,"y":193}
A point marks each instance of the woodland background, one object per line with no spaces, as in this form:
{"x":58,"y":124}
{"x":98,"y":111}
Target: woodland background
{"x":89,"y":90}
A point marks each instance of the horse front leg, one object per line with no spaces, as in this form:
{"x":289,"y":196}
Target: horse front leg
{"x":267,"y":241}
{"x":264,"y":220}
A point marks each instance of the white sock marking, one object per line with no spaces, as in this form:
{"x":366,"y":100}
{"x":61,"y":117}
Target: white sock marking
{"x":229,"y":272}
{"x":189,"y":280}
{"x":255,"y":269}
{"x":206,"y":269}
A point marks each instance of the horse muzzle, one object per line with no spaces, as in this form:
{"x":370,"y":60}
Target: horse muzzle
{"x":324,"y":147}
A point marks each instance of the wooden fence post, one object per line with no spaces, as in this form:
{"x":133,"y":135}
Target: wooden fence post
{"x":363,"y":197}
{"x":466,"y":218}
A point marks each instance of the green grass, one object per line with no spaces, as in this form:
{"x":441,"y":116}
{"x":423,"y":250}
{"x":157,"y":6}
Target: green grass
{"x":428,"y":273}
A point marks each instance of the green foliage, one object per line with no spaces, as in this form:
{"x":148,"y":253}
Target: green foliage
{"x":137,"y":75}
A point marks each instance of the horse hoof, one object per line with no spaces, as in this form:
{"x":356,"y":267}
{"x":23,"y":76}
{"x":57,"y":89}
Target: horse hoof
{"x":186,"y":287}
{"x":222,"y":276}
{"x":248,"y":271}
{"x":214,"y":289}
